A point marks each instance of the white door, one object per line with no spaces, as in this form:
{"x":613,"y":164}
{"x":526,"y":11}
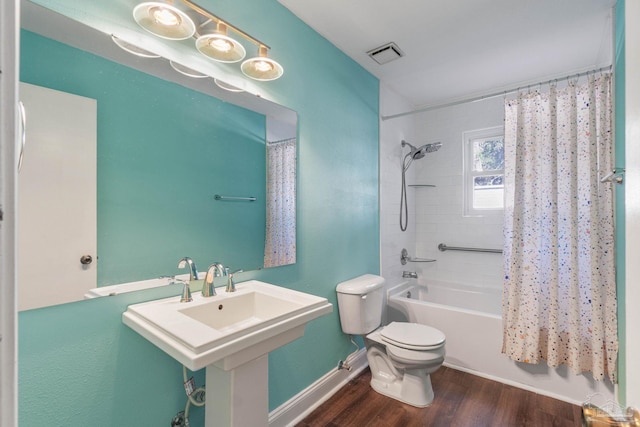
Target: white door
{"x":56,"y":198}
{"x":9,"y":47}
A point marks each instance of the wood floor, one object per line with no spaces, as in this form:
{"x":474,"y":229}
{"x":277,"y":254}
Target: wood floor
{"x":461,"y":400}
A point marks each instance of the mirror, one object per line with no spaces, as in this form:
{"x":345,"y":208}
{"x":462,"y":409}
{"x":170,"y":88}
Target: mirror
{"x":167,"y":144}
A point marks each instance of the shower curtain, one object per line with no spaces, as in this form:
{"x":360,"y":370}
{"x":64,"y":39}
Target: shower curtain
{"x":280,"y":239}
{"x":559,"y":300}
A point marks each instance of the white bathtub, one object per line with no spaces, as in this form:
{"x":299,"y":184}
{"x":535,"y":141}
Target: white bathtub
{"x":464,"y":297}
{"x":471,"y":321}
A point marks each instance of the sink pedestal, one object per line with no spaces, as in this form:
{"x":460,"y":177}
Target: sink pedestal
{"x":239,"y":397}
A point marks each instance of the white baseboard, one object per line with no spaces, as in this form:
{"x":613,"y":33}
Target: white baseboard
{"x":514,"y":384}
{"x":303,"y":403}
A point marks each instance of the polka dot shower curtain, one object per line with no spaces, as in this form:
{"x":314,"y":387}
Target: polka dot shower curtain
{"x":280,"y":239}
{"x":559,"y":300}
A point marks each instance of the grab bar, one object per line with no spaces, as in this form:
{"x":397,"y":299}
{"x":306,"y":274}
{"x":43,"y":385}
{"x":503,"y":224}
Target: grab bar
{"x":444,"y":247}
{"x":234,"y":198}
{"x":404,"y":258}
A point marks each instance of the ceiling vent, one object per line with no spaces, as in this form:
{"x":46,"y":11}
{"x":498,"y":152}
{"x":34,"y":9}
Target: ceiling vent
{"x":386,"y":53}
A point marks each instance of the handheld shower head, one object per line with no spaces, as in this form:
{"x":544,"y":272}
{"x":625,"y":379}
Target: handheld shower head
{"x":418,"y":153}
{"x":430,"y":148}
{"x":415,"y":153}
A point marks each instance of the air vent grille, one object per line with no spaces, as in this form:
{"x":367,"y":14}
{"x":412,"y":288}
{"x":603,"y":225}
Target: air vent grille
{"x":386,"y":53}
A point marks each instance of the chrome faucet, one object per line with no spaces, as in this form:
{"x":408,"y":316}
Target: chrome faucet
{"x":215,"y":270}
{"x":193,"y":271}
{"x":186,"y":291}
{"x":231,"y":286}
{"x":409,"y":275}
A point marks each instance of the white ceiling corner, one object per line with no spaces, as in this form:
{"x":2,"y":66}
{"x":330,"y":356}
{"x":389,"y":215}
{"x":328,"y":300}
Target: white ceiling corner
{"x":456,"y":49}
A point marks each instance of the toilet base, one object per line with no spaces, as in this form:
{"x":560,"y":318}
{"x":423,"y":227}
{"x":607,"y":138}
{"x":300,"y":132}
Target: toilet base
{"x":410,"y":389}
{"x":411,"y":386}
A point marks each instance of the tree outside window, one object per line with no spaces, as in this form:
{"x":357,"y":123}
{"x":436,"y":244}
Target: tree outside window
{"x":484,"y":171}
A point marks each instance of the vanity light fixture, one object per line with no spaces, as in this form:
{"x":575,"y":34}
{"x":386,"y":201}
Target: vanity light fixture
{"x":131,"y":48}
{"x":262,"y":68}
{"x":219,"y":46}
{"x":227,"y":86}
{"x":164,"y":20}
{"x":167,"y":21}
{"x":189,"y":72}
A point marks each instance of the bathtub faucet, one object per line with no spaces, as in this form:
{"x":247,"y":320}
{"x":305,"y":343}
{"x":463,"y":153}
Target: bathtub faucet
{"x":409,"y":275}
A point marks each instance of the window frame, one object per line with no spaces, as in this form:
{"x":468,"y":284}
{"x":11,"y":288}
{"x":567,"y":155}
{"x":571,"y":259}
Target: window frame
{"x":468,"y":138}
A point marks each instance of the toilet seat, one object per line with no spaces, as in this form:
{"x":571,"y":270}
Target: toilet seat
{"x":412,"y":336}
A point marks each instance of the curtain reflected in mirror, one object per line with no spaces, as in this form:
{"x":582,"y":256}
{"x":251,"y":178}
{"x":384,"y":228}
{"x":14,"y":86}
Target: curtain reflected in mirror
{"x":280,"y":238}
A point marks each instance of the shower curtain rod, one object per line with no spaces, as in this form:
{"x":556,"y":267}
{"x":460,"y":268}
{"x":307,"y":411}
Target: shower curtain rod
{"x":493,"y":95}
{"x":280,"y":141}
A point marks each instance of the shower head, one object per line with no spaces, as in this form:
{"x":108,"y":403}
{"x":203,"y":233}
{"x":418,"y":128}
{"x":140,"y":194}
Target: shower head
{"x":418,"y":153}
{"x":414,"y":153}
{"x":430,"y":148}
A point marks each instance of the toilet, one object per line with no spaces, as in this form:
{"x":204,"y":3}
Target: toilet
{"x":401,"y":355}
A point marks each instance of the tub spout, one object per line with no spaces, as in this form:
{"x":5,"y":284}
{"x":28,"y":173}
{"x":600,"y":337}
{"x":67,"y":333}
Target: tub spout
{"x":409,"y":275}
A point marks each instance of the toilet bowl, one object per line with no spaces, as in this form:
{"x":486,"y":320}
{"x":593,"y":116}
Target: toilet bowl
{"x":401,"y":358}
{"x":401,"y":355}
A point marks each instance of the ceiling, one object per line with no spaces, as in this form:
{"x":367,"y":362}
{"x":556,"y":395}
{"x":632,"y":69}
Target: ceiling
{"x":465,"y":48}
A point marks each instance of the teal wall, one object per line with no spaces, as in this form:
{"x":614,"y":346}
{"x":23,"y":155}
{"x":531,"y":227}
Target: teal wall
{"x":620,"y":216}
{"x":79,"y":365}
{"x":163,"y":152}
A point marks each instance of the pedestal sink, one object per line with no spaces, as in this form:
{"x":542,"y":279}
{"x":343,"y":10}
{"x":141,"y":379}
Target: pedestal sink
{"x":230,"y":335}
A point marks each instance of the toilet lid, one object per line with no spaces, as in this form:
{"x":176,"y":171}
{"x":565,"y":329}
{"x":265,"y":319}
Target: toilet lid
{"x":412,"y":336}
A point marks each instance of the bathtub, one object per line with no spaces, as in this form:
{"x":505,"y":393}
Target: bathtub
{"x":463,"y":297}
{"x":470,"y":319}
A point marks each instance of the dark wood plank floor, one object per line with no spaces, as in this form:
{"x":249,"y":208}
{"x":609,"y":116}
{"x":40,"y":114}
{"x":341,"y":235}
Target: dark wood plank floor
{"x":461,"y":400}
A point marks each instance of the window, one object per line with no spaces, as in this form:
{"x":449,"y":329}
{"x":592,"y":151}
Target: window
{"x":483,"y":171}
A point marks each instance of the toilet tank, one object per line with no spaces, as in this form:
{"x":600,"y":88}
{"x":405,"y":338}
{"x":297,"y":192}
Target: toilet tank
{"x":360,"y":304}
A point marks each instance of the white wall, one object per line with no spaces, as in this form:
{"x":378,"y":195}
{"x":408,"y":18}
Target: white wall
{"x":435,"y":214}
{"x":392,"y":240}
{"x":439,"y":210}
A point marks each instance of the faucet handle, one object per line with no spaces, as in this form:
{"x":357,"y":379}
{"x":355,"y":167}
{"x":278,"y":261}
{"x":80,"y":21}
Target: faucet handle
{"x":231,"y":286}
{"x":186,"y":292}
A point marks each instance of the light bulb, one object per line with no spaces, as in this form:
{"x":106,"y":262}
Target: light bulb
{"x":221,"y":44}
{"x":263,"y":66}
{"x":164,"y":20}
{"x":164,"y":16}
{"x":220,"y":47}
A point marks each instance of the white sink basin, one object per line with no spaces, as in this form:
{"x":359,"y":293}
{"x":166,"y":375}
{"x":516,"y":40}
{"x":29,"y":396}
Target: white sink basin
{"x":228,"y":329}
